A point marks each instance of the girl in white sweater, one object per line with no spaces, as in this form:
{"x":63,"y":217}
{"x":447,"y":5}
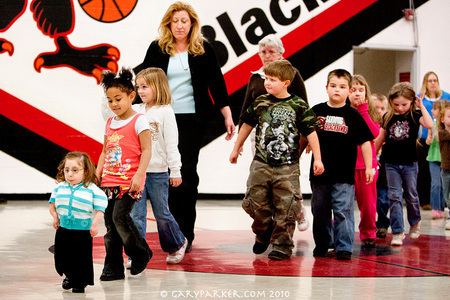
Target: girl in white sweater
{"x":165,"y":163}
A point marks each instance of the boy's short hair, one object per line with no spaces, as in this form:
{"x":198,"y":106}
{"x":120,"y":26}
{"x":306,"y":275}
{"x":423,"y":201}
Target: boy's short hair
{"x":281,"y":69}
{"x":339,"y":73}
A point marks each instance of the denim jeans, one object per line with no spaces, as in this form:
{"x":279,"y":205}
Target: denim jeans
{"x":157,"y":190}
{"x":436,"y":194}
{"x":446,"y":186}
{"x":402,"y":179}
{"x":382,"y":207}
{"x":337,"y":198}
{"x":122,"y":234}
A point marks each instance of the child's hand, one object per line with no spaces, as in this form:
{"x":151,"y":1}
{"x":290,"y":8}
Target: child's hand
{"x":94,"y":230}
{"x":370,"y":173}
{"x":318,"y":168}
{"x":55,"y":223}
{"x":136,"y":183}
{"x":308,"y":149}
{"x":419,"y":101}
{"x":175,"y":181}
{"x":234,"y":155}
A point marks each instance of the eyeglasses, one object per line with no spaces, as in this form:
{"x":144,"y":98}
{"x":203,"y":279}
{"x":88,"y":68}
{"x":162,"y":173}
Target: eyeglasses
{"x":74,"y":171}
{"x":432,"y":80}
{"x":270,"y":52}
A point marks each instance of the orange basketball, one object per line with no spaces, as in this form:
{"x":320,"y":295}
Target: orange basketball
{"x":108,"y":11}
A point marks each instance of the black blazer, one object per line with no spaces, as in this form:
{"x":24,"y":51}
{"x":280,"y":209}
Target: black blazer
{"x":206,"y":75}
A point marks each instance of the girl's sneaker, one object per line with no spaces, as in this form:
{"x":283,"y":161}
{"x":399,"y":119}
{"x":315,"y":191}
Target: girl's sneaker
{"x":414,"y":231}
{"x":437,"y":214}
{"x":397,"y":239}
{"x":176,"y":257}
{"x":447,"y":224}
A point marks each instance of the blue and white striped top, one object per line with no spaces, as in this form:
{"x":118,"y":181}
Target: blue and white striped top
{"x":75,"y":205}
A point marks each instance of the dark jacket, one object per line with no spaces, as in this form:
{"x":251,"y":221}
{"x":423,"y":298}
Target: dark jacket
{"x":207,"y":77}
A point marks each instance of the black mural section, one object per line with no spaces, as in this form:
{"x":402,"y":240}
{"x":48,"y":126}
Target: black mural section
{"x":29,"y":147}
{"x":355,"y":31}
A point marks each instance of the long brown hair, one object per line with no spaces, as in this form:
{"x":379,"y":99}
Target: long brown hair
{"x":195,"y":37}
{"x":359,"y":79}
{"x":400,"y":89}
{"x":88,"y":166}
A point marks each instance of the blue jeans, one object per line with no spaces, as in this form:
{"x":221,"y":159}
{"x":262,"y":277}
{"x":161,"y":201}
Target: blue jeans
{"x":338,"y":199}
{"x":382,"y":207}
{"x":157,"y":190}
{"x":436,"y":194}
{"x":446,"y":186}
{"x":402,"y":179}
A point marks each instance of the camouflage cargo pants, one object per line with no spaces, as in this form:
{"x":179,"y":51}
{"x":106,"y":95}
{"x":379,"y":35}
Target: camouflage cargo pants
{"x":273,"y":200}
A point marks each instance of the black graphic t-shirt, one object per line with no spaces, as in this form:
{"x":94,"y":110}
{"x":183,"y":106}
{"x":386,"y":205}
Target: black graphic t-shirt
{"x":401,"y":136}
{"x":279,"y":123}
{"x":340,"y":131}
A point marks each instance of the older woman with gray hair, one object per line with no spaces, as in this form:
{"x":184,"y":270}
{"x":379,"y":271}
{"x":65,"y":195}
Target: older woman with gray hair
{"x":271,"y":49}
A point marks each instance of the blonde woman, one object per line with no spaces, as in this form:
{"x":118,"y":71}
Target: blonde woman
{"x":198,"y":90}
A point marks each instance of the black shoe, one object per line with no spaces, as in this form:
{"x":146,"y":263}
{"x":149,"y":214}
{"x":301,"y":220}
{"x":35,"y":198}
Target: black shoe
{"x":343,"y":255}
{"x":66,"y":284}
{"x":259,"y":248}
{"x":111,"y":276}
{"x":78,"y":290}
{"x":139,"y":266}
{"x":381,"y":233}
{"x":277,"y":255}
{"x":368,"y":243}
{"x":319,"y":252}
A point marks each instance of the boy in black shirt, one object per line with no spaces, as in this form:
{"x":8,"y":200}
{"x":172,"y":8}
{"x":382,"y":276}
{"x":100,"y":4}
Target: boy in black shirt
{"x":340,"y":129}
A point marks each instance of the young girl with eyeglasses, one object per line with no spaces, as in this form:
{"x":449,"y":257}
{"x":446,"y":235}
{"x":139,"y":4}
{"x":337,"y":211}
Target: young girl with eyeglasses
{"x":77,"y":205}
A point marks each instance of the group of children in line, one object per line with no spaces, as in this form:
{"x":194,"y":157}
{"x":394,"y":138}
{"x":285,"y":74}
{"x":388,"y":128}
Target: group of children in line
{"x":140,"y":159}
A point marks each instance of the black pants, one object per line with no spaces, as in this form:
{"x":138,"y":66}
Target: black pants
{"x":73,"y":256}
{"x":122,"y":234}
{"x":182,"y":199}
{"x":423,"y":177}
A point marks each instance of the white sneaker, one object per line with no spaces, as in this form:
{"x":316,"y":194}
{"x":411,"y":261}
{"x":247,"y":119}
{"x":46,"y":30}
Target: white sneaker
{"x":414,"y":231}
{"x":176,"y":257}
{"x":303,"y":224}
{"x":128,"y":264}
{"x":447,"y":224}
{"x":397,"y":239}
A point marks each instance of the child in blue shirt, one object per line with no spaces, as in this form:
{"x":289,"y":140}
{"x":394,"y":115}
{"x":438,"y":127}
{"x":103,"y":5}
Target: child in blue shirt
{"x":77,"y":205}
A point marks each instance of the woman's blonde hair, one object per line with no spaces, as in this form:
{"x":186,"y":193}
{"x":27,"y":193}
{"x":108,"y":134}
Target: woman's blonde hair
{"x":195,"y":38}
{"x":400,"y":89}
{"x":156,"y":79}
{"x":424,"y":90}
{"x":86,"y":163}
{"x":359,"y":79}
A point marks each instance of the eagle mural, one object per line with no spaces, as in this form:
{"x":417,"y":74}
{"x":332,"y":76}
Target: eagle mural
{"x":56,"y":19}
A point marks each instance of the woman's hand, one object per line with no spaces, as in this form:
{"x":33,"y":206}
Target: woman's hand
{"x":175,"y":181}
{"x":229,"y":125}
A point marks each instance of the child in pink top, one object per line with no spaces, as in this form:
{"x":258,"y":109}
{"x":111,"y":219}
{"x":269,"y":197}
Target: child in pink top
{"x":121,"y":166}
{"x":366,"y":193}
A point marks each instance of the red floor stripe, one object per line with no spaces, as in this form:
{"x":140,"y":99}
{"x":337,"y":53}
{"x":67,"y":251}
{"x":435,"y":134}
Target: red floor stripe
{"x":230,"y":252}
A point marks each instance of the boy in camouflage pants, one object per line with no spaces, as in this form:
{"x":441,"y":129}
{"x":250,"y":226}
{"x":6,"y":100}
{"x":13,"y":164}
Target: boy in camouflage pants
{"x":273,"y":186}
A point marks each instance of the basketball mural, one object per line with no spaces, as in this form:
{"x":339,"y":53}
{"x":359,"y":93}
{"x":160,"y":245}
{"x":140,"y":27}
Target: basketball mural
{"x":52,"y":54}
{"x":108,"y":11}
